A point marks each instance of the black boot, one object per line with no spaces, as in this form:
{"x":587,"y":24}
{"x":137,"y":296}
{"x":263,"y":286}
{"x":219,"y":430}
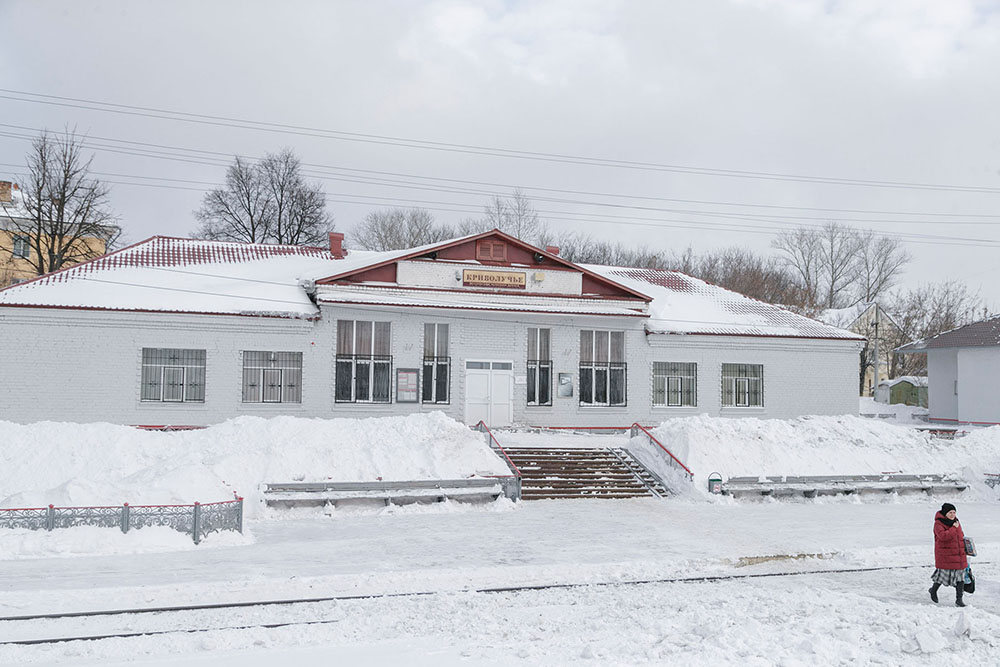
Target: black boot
{"x":958,"y":595}
{"x":933,"y":591}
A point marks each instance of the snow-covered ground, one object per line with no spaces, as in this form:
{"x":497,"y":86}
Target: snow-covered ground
{"x":850,"y":618}
{"x":450,"y":552}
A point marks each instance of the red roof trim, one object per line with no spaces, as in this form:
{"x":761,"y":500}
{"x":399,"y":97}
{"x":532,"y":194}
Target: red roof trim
{"x":475,"y":238}
{"x":750,"y":335}
{"x":309,"y":318}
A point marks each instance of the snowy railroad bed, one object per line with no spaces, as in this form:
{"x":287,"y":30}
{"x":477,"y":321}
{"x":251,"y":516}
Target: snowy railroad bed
{"x":851,"y":618}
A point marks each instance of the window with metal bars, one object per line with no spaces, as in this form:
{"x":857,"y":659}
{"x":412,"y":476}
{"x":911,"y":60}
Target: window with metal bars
{"x":743,"y":385}
{"x":675,"y":384}
{"x":173,"y":376}
{"x":272,"y":377}
{"x":364,"y":364}
{"x":436,"y":386}
{"x":603,"y":371}
{"x":539,"y":367}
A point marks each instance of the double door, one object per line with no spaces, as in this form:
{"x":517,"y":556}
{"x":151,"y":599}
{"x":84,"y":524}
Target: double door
{"x":489,"y":392}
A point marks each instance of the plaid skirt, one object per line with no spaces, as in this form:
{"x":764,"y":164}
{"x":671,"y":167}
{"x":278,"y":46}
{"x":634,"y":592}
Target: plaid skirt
{"x":948,"y":577}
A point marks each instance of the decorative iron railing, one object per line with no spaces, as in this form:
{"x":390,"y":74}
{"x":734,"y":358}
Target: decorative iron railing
{"x":196,"y":520}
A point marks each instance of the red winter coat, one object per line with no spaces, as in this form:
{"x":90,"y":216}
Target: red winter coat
{"x":949,"y":546}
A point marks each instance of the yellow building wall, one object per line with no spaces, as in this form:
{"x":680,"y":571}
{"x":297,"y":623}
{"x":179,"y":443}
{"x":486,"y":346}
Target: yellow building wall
{"x":15,"y":269}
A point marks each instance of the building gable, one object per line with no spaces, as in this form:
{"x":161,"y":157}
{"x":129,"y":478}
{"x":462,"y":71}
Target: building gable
{"x":492,"y":261}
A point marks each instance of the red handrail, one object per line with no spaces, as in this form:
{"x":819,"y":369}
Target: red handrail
{"x":513,"y":466}
{"x":669,"y":453}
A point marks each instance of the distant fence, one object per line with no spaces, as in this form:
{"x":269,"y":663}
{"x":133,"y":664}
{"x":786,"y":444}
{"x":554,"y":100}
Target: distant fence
{"x":196,"y":520}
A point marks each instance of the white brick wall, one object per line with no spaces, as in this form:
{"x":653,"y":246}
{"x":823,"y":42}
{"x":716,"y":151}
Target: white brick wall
{"x":84,"y":365}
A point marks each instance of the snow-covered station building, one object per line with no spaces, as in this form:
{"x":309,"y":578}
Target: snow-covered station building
{"x":175,"y":331}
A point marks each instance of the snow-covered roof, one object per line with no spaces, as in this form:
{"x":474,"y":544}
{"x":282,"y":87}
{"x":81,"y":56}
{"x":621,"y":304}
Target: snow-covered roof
{"x":167,"y":274}
{"x":685,"y":305}
{"x":977,"y":334}
{"x":915,"y":380}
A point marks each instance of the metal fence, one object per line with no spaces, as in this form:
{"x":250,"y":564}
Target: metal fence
{"x":197,"y":520}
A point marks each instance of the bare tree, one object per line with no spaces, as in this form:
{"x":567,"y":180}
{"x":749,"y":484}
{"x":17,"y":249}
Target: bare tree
{"x":397,"y":228}
{"x":838,"y":248}
{"x":299,"y":214}
{"x":803,"y":257}
{"x":64,"y":213}
{"x":514,"y":215}
{"x":265,"y":202}
{"x":879,"y":261}
{"x":928,"y":310}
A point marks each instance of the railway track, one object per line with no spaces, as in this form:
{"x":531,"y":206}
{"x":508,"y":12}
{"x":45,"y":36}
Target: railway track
{"x":346,"y":598}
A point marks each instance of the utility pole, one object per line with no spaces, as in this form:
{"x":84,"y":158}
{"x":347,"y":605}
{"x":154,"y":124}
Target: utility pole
{"x":875,"y":386}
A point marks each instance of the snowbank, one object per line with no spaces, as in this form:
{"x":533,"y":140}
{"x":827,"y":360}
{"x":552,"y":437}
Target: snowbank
{"x":92,"y":541}
{"x":840,"y":445}
{"x":96,"y":464}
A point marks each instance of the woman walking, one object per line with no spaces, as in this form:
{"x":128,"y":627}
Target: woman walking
{"x":949,"y":554}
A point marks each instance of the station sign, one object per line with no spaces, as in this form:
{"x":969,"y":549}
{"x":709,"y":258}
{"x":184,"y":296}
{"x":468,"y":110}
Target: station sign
{"x":503,"y":279}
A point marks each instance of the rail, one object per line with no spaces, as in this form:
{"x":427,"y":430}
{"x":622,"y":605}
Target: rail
{"x":494,"y":444}
{"x":637,"y":428}
{"x":197,"y":520}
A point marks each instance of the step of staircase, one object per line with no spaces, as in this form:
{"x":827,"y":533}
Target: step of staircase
{"x":582,"y":473}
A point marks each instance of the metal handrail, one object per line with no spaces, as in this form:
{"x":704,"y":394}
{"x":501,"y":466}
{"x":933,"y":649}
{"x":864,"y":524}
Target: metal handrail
{"x":481,"y":426}
{"x":636,"y":427}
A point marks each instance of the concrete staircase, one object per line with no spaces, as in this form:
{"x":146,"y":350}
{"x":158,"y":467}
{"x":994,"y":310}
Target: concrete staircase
{"x":582,"y":473}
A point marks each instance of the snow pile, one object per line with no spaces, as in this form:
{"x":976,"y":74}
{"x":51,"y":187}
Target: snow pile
{"x":838,"y":445}
{"x":912,"y":415}
{"x":96,"y":464}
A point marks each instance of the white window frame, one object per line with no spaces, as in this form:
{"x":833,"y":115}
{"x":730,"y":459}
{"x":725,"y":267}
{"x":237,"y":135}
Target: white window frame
{"x":667,"y":378}
{"x":172,"y":372}
{"x":742,"y":387}
{"x":593,"y":366}
{"x":21,"y":247}
{"x":363,"y":365}
{"x":436,"y":365}
{"x":535,"y":365}
{"x":287,"y":371}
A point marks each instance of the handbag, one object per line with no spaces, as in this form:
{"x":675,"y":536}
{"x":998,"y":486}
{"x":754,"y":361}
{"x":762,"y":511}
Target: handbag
{"x":970,"y":546}
{"x":970,"y":581}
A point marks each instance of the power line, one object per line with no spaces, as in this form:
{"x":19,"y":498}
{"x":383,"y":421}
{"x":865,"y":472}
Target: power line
{"x":228,"y":157}
{"x":775,"y":219}
{"x":660,"y":223}
{"x":403,"y":142}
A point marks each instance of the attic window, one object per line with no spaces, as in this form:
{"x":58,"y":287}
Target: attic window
{"x":491,"y":251}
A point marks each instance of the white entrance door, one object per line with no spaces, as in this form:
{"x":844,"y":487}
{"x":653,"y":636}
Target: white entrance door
{"x":489,"y":392}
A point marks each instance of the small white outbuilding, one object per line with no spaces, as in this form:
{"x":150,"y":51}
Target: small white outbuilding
{"x":963,"y":367}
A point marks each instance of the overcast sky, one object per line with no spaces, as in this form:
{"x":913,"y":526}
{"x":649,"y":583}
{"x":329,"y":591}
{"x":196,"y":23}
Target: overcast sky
{"x":901,"y":91}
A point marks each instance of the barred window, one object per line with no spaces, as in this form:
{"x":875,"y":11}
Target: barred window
{"x":603,"y":371}
{"x":675,"y":384}
{"x":173,"y":376}
{"x":272,"y":377}
{"x":539,"y":367}
{"x":437,"y":364}
{"x":364,"y":362}
{"x":743,"y":385}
